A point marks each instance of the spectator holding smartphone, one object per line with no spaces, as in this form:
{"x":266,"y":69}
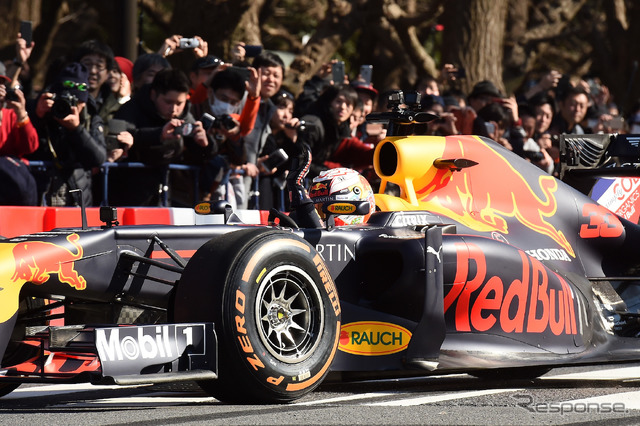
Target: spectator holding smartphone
{"x":18,"y":138}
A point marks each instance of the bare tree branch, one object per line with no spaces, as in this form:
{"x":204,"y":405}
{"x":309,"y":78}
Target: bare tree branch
{"x":160,"y":17}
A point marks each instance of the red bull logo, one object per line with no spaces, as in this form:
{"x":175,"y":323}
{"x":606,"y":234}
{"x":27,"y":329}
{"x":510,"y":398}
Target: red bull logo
{"x":537,"y":301}
{"x":318,"y":190}
{"x":35,"y":261}
{"x":482,"y":197}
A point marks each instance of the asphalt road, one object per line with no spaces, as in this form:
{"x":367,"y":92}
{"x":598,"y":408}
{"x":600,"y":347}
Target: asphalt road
{"x":563,"y":396}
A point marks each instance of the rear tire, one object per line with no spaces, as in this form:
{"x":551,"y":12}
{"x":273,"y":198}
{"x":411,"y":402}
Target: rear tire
{"x":275,"y":309}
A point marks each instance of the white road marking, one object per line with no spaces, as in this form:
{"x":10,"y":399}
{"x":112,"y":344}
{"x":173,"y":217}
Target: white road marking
{"x":141,"y":401}
{"x":438,"y":398}
{"x":616,"y":373}
{"x":347,"y":398}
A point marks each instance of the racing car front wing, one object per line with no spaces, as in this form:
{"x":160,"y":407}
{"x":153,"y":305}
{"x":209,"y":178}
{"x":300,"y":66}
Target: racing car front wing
{"x":122,"y":355}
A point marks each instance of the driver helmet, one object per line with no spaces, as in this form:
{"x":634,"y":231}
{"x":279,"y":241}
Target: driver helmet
{"x":341,"y":184}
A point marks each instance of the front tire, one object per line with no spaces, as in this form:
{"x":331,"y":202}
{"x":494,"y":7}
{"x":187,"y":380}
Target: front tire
{"x":275,"y":309}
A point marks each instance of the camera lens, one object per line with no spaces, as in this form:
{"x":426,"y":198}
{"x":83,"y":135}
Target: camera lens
{"x":61,"y":108}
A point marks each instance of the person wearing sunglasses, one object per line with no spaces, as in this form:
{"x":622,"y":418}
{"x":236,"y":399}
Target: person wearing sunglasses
{"x":71,"y":138}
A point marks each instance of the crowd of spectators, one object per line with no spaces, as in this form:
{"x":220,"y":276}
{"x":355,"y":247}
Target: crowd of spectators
{"x":236,"y":126}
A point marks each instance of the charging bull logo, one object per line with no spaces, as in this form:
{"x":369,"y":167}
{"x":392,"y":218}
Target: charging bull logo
{"x":35,"y":261}
{"x":482,"y":197}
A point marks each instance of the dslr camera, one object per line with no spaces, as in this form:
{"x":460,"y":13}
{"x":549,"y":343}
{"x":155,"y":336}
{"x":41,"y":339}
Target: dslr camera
{"x":62,"y":103}
{"x":224,"y":122}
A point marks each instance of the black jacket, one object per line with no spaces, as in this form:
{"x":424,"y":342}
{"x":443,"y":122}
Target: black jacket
{"x":140,"y":187}
{"x":148,"y":147}
{"x":73,"y":152}
{"x":323,"y":135}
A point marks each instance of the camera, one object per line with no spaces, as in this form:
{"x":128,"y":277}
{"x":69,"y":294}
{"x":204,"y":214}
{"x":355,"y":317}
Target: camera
{"x":224,"y":122}
{"x":116,"y":127}
{"x":251,"y":51}
{"x":302,"y":125}
{"x":185,"y":129}
{"x":275,"y":159}
{"x":62,"y":104}
{"x":11,"y":94}
{"x":189,"y":43}
{"x":534,"y":156}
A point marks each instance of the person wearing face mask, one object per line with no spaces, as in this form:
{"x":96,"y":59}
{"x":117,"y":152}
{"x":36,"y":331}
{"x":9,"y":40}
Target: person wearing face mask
{"x":225,"y":94}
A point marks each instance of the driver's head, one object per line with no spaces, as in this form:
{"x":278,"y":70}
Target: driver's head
{"x":332,"y":190}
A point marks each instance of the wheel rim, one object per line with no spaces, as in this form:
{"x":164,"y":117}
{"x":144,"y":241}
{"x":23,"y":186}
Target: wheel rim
{"x":289,"y":313}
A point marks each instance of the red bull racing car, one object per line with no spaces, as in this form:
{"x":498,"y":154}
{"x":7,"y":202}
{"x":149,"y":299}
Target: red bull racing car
{"x":484,"y":264}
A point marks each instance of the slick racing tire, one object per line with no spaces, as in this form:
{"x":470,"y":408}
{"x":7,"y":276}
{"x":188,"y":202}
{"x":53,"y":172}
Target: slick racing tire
{"x":275,"y":309}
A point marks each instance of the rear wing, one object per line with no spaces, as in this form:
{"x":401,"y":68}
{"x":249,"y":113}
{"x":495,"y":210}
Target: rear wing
{"x":585,"y":158}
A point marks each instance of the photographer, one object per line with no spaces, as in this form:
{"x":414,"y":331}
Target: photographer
{"x":156,"y":115}
{"x":18,"y":138}
{"x":274,"y":165}
{"x":225,"y":93}
{"x":71,"y":136}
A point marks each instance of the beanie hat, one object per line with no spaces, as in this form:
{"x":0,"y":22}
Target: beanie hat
{"x":126,"y":67}
{"x":73,"y":79}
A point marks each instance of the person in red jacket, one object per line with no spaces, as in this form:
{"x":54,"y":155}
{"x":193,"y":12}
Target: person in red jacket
{"x":18,"y":137}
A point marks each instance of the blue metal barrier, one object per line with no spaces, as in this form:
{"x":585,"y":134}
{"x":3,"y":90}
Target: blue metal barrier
{"x":105,"y":168}
{"x":164,"y":199}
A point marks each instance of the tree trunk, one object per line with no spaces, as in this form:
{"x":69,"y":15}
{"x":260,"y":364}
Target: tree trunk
{"x":473,"y":38}
{"x":341,"y":21}
{"x":214,"y":20}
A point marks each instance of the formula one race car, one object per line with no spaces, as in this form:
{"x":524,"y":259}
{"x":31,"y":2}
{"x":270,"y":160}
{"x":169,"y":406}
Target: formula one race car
{"x":484,"y":265}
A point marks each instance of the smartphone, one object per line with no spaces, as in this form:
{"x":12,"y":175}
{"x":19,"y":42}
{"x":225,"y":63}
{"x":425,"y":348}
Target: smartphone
{"x":491,"y":128}
{"x":26,"y":31}
{"x":275,"y":159}
{"x":337,"y":72}
{"x":189,"y":43}
{"x":615,"y":123}
{"x":251,"y":51}
{"x":365,"y":73}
